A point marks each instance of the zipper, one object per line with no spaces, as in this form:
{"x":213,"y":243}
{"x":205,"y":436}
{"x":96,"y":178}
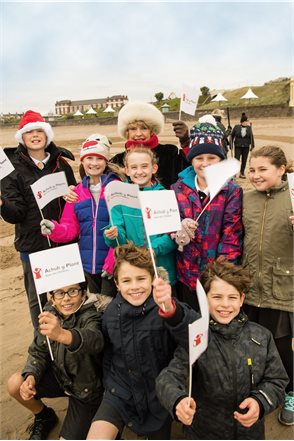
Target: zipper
{"x":260,"y":251}
{"x":94,"y":225}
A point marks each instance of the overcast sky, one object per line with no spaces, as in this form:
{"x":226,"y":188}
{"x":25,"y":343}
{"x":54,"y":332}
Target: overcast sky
{"x":79,"y":50}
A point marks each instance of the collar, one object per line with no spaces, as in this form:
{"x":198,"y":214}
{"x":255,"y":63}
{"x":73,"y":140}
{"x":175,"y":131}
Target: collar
{"x":45,"y":160}
{"x":206,"y":190}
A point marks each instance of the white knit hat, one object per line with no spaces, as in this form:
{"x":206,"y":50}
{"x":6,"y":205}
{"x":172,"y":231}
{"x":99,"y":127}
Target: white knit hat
{"x":139,"y":111}
{"x":96,"y":145}
{"x":31,"y":121}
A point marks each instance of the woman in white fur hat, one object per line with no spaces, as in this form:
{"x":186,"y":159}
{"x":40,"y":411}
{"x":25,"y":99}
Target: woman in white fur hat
{"x":139,"y":124}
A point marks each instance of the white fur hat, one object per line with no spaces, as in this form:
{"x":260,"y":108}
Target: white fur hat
{"x":139,"y":111}
{"x":31,"y":121}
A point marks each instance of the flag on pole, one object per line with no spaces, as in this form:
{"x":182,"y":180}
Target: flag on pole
{"x":121,"y":193}
{"x":160,"y":211}
{"x":56,"y":267}
{"x":198,"y":330}
{"x":217,"y":175}
{"x":49,"y":187}
{"x":5,"y":165}
{"x":189,"y":100}
{"x":290,"y":177}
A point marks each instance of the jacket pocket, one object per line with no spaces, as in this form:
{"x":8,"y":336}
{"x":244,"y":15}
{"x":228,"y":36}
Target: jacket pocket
{"x":283,"y":279}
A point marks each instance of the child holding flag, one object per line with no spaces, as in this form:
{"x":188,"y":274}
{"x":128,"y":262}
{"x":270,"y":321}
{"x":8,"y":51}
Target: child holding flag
{"x":139,"y":342}
{"x":268,"y":252}
{"x":35,"y":157}
{"x":73,"y":325}
{"x":238,"y":379}
{"x":219,"y":230}
{"x":141,"y":167}
{"x":87,"y":217}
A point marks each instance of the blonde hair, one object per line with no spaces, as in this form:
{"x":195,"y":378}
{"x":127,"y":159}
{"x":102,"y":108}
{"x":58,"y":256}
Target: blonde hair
{"x":140,"y":149}
{"x":275,"y":155}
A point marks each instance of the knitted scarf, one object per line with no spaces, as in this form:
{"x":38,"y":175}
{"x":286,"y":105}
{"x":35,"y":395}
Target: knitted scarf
{"x":150,"y":143}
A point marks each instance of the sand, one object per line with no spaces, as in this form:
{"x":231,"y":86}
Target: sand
{"x":15,"y":325}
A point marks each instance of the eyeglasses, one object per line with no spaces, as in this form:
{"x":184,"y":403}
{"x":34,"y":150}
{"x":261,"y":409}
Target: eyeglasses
{"x":72,"y":292}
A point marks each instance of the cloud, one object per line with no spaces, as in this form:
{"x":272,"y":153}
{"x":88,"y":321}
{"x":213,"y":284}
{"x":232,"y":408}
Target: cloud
{"x":81,"y":50}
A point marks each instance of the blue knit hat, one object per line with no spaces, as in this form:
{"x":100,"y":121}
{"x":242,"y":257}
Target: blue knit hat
{"x":205,"y":138}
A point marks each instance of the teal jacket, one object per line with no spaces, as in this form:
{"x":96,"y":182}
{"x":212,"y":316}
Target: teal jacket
{"x":129,"y":223}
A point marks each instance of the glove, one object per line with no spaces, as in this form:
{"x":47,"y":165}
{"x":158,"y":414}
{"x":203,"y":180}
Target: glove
{"x":187,"y":232}
{"x":182,"y":132}
{"x":47,"y":227}
{"x":106,"y":275}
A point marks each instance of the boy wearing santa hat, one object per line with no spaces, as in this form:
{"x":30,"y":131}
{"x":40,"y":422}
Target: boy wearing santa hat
{"x":35,"y":157}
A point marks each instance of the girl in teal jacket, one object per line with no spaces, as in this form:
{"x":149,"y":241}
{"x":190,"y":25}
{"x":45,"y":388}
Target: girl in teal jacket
{"x":140,"y":167}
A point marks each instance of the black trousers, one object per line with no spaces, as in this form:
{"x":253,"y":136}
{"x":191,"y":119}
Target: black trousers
{"x":242,"y":152}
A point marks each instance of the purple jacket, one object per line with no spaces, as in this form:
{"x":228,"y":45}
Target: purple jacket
{"x":220,"y":229}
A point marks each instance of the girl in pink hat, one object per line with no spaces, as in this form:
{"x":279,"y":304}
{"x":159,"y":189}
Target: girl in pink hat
{"x":85,"y":219}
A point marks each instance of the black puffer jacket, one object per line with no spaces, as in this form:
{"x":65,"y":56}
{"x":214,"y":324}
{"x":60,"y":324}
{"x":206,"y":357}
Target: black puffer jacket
{"x":171,"y":161}
{"x":78,"y":371}
{"x":20,"y":206}
{"x":222,"y":380}
{"x":138,"y":345}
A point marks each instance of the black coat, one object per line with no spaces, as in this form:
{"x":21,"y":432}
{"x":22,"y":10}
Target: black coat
{"x":171,"y":161}
{"x":138,"y":345}
{"x":20,"y":207}
{"x":239,"y":141}
{"x":79,"y":370}
{"x":222,"y":380}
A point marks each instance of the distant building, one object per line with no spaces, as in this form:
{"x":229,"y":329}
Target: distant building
{"x":67,"y":106}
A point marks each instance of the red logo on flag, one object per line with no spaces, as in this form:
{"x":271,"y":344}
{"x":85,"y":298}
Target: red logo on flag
{"x":184,"y":97}
{"x":39,"y":195}
{"x":37,"y":272}
{"x":197,"y":339}
{"x":148,"y":212}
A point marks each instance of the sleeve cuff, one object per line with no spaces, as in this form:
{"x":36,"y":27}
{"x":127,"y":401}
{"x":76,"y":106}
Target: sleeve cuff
{"x":175,"y":317}
{"x":76,"y":340}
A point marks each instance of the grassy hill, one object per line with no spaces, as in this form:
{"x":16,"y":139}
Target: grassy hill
{"x":272,"y":93}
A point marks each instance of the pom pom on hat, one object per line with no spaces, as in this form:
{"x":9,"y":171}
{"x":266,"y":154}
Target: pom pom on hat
{"x":96,"y":145}
{"x":207,"y":119}
{"x":139,"y":111}
{"x":205,"y":138}
{"x":31,"y":121}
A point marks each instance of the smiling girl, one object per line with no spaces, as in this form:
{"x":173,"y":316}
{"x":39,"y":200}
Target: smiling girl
{"x":268,"y":250}
{"x":141,"y":167}
{"x":86,"y":218}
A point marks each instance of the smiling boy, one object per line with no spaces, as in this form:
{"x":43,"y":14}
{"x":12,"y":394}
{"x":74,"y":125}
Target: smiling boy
{"x":72,"y":324}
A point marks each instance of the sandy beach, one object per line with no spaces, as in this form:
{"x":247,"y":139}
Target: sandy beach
{"x":15,"y":325}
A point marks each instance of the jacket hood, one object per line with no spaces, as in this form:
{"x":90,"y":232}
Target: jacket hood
{"x":187,"y":176}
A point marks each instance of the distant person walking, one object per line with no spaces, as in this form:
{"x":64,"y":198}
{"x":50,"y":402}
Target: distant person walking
{"x":242,"y":137}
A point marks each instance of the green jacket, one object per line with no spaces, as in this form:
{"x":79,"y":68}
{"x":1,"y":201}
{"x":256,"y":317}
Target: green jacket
{"x":268,"y":247}
{"x":129,"y":223}
{"x":78,"y":370}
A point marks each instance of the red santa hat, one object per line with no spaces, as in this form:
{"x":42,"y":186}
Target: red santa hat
{"x":96,"y":145}
{"x":30,"y":121}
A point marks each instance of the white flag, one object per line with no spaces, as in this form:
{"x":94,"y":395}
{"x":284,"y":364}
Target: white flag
{"x":290,"y":177}
{"x":5,"y":165}
{"x":217,"y":175}
{"x":160,"y":211}
{"x":198,"y":330}
{"x":57,"y":267}
{"x":189,"y":100}
{"x":50,"y":187}
{"x":121,"y":193}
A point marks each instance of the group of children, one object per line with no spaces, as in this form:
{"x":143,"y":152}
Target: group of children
{"x":142,"y":336}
